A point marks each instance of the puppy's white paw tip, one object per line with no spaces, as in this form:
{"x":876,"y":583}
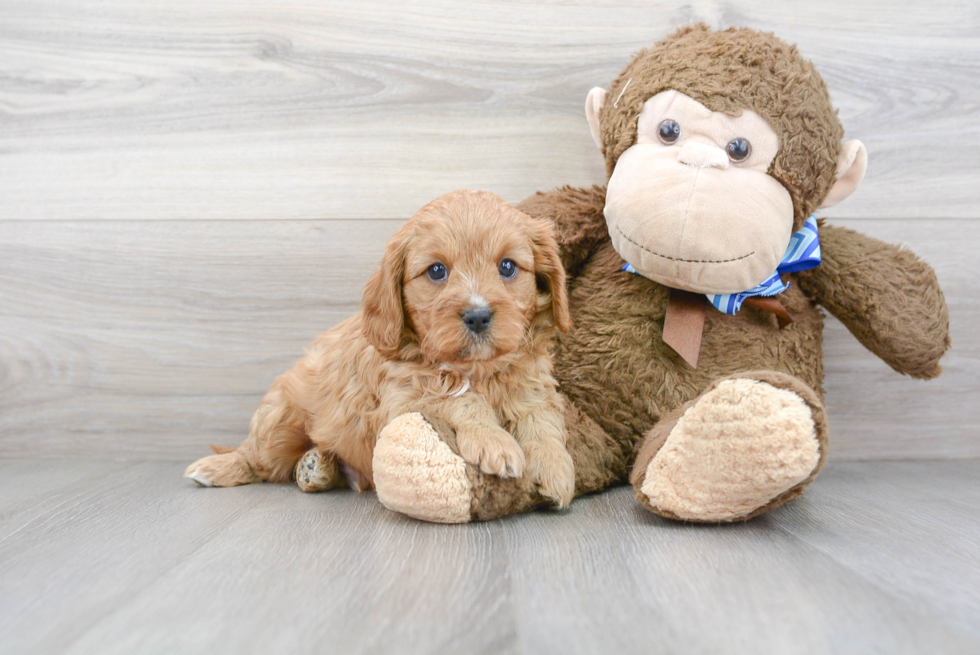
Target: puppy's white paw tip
{"x":199,"y":478}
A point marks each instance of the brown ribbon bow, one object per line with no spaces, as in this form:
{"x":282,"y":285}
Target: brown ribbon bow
{"x":684,"y":321}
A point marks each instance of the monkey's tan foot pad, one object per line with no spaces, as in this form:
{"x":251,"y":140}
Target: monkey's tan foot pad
{"x":316,"y":471}
{"x":417,"y":474}
{"x":224,"y":470}
{"x":739,"y":447}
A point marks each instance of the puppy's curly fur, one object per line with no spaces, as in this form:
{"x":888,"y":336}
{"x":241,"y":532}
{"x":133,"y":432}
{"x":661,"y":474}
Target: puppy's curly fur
{"x":489,"y":391}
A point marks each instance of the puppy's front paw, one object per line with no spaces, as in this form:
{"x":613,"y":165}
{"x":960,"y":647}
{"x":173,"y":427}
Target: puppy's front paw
{"x":551,"y":467}
{"x":493,"y":449}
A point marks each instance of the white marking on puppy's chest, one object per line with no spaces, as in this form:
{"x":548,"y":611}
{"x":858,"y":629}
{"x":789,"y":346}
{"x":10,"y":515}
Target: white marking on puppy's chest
{"x":466,"y":382}
{"x":461,"y":390}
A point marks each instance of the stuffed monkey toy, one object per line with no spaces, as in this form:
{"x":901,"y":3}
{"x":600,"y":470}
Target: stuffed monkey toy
{"x":693,"y":369}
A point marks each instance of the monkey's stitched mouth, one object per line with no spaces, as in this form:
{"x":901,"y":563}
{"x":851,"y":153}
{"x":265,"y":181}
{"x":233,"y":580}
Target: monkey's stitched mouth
{"x":678,"y":259}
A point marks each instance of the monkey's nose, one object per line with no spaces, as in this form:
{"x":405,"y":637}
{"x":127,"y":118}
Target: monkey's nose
{"x":477,"y":319}
{"x":703,"y":156}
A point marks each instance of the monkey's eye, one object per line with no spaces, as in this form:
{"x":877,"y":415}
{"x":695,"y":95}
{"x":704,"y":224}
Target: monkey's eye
{"x":507,"y":268}
{"x":437,"y":272}
{"x":738,"y":149}
{"x":669,"y":131}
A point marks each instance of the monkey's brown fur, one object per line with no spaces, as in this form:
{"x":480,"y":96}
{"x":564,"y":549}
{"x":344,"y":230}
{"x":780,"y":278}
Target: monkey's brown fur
{"x":625,"y":387}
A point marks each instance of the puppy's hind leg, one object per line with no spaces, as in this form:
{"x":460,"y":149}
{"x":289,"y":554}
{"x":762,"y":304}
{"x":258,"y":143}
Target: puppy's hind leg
{"x":318,"y":471}
{"x":226,"y":469}
{"x":276,"y":441}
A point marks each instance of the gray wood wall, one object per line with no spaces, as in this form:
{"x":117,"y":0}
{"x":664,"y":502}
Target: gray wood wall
{"x":190,"y":191}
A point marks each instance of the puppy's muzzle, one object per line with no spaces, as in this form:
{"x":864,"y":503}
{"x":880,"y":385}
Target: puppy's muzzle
{"x":477,"y":319}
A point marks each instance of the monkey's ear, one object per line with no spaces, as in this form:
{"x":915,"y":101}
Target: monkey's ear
{"x":384,"y":316}
{"x":851,"y":167}
{"x":593,"y":103}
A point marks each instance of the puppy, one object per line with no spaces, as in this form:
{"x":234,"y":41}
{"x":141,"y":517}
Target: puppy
{"x":457,"y":324}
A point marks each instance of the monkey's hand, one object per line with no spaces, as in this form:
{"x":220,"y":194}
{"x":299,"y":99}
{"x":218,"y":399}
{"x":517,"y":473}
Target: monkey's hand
{"x":580,"y":227}
{"x":886,"y":296}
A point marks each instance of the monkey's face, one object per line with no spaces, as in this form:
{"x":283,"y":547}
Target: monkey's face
{"x":691,"y":204}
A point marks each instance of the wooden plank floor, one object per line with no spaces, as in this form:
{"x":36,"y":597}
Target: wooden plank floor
{"x":337,"y":109}
{"x":106,"y":557}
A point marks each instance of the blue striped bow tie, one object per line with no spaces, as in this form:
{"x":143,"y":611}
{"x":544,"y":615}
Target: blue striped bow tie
{"x":803,"y":253}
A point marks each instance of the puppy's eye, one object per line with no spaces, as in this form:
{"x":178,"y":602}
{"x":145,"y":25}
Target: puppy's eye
{"x":437,"y":272}
{"x":507,"y":268}
{"x":738,"y":149}
{"x":669,"y":131}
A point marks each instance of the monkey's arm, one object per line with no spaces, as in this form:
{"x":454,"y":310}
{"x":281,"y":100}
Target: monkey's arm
{"x":580,"y":227}
{"x":886,"y":296}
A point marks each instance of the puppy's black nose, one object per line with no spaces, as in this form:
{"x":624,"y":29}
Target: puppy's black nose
{"x":477,"y":319}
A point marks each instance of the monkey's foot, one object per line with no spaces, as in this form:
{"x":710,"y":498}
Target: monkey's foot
{"x":744,"y":446}
{"x":417,"y":473}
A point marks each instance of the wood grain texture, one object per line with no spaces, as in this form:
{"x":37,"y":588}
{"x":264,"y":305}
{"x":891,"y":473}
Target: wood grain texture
{"x":251,"y":109}
{"x":132,"y":558}
{"x":154,"y":338}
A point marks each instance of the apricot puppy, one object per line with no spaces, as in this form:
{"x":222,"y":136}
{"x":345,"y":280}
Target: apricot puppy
{"x":457,"y":325}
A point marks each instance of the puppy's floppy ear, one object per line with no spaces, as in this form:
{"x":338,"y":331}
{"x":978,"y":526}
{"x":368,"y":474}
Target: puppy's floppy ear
{"x":548,"y":269}
{"x":384,"y":314}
